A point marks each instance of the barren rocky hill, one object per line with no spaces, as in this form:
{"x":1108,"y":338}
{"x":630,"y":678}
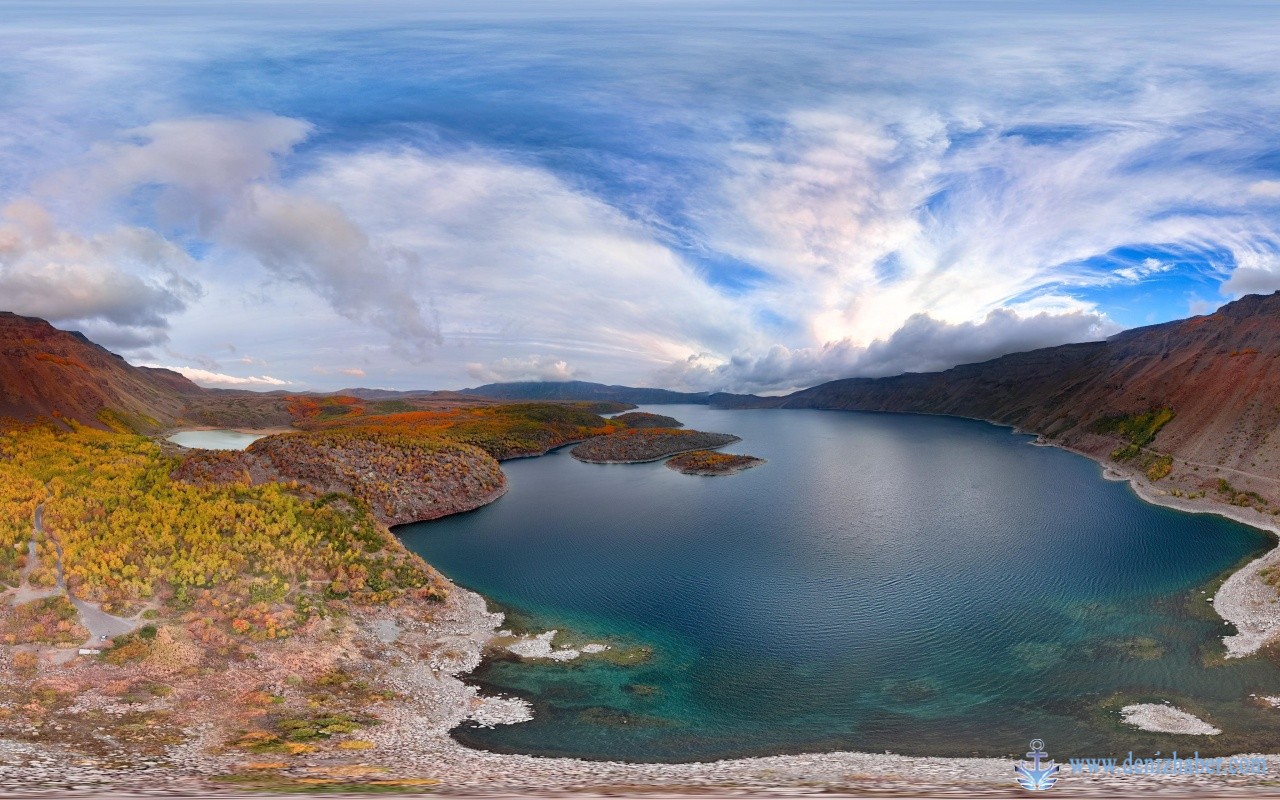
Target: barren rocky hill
{"x":45,"y":372}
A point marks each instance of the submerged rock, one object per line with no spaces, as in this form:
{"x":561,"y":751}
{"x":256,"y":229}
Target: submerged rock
{"x":1160,"y":718}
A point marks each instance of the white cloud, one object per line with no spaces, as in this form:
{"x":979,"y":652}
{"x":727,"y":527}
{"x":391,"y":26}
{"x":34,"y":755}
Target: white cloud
{"x":1146,"y":268}
{"x":312,"y":242}
{"x":517,"y":257}
{"x":126,"y":280}
{"x":1197,"y":306}
{"x":206,"y":377}
{"x":922,"y":344}
{"x":217,"y":178}
{"x":202,"y":165}
{"x":867,"y":215}
{"x":531,"y":368}
{"x":1258,"y":272}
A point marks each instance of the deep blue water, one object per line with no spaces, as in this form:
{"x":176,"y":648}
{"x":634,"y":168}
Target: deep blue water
{"x":885,"y":582}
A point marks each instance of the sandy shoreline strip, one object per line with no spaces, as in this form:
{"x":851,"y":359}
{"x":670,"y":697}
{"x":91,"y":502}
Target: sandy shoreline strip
{"x":204,"y":428}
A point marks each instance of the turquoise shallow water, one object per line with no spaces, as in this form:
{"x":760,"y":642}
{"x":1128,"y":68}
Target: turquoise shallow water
{"x":917,"y":584}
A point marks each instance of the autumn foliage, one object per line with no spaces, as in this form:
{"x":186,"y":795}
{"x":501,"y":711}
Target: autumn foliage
{"x":128,"y":533}
{"x":49,"y":620}
{"x":647,"y":444}
{"x":709,"y":462}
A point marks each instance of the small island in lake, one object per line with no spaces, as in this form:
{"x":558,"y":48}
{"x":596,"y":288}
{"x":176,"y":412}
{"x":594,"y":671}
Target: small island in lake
{"x":649,"y":444}
{"x":709,"y":462}
{"x":643,"y":419}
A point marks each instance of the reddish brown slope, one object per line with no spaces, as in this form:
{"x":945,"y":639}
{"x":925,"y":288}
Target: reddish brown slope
{"x":1220,"y":374}
{"x":45,"y":371}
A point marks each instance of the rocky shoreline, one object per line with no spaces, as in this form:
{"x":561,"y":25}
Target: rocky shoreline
{"x":434,"y":699}
{"x":424,"y":655}
{"x":1244,"y":599}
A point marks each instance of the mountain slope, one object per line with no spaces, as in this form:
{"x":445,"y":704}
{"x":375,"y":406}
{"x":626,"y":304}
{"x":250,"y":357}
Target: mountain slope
{"x":1219,"y":374}
{"x":45,"y":371}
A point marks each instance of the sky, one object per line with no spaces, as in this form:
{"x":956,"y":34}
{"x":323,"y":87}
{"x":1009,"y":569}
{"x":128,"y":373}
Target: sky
{"x":692,"y":194}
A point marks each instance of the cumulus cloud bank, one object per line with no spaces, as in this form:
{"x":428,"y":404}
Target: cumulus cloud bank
{"x":218,"y":179}
{"x":127,"y":280}
{"x":921,"y":344}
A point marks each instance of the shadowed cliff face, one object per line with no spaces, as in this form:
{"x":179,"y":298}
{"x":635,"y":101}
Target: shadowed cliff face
{"x":1219,"y":373}
{"x":45,"y":371}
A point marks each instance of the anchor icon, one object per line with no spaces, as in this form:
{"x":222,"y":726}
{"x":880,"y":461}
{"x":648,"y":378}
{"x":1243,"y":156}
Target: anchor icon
{"x":1037,"y":778}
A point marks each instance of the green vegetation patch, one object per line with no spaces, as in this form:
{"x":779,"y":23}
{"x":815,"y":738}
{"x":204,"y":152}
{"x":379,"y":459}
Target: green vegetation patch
{"x":1241,"y":497}
{"x":127,"y":422}
{"x":391,"y":407}
{"x":643,"y":419}
{"x":1137,"y":430}
{"x":1160,"y":467}
{"x":283,"y":734}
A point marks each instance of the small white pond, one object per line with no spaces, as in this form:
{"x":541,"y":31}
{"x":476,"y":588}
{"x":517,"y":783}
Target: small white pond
{"x":215,"y":440}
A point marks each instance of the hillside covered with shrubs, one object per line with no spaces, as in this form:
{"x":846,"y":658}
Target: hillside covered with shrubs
{"x":406,"y":466}
{"x":129,"y":536}
{"x":635,"y":445}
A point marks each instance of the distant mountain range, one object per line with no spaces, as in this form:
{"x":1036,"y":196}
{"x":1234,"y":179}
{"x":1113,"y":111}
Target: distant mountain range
{"x":582,"y":390}
{"x":48,"y":372}
{"x":1218,"y":377}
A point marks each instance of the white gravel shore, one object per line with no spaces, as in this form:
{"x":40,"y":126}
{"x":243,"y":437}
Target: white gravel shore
{"x":434,"y":699}
{"x":1243,"y":600}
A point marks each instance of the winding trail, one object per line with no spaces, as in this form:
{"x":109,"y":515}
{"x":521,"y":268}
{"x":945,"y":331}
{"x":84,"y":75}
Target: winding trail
{"x":24,"y":592}
{"x":1188,"y":462}
{"x":100,"y":624}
